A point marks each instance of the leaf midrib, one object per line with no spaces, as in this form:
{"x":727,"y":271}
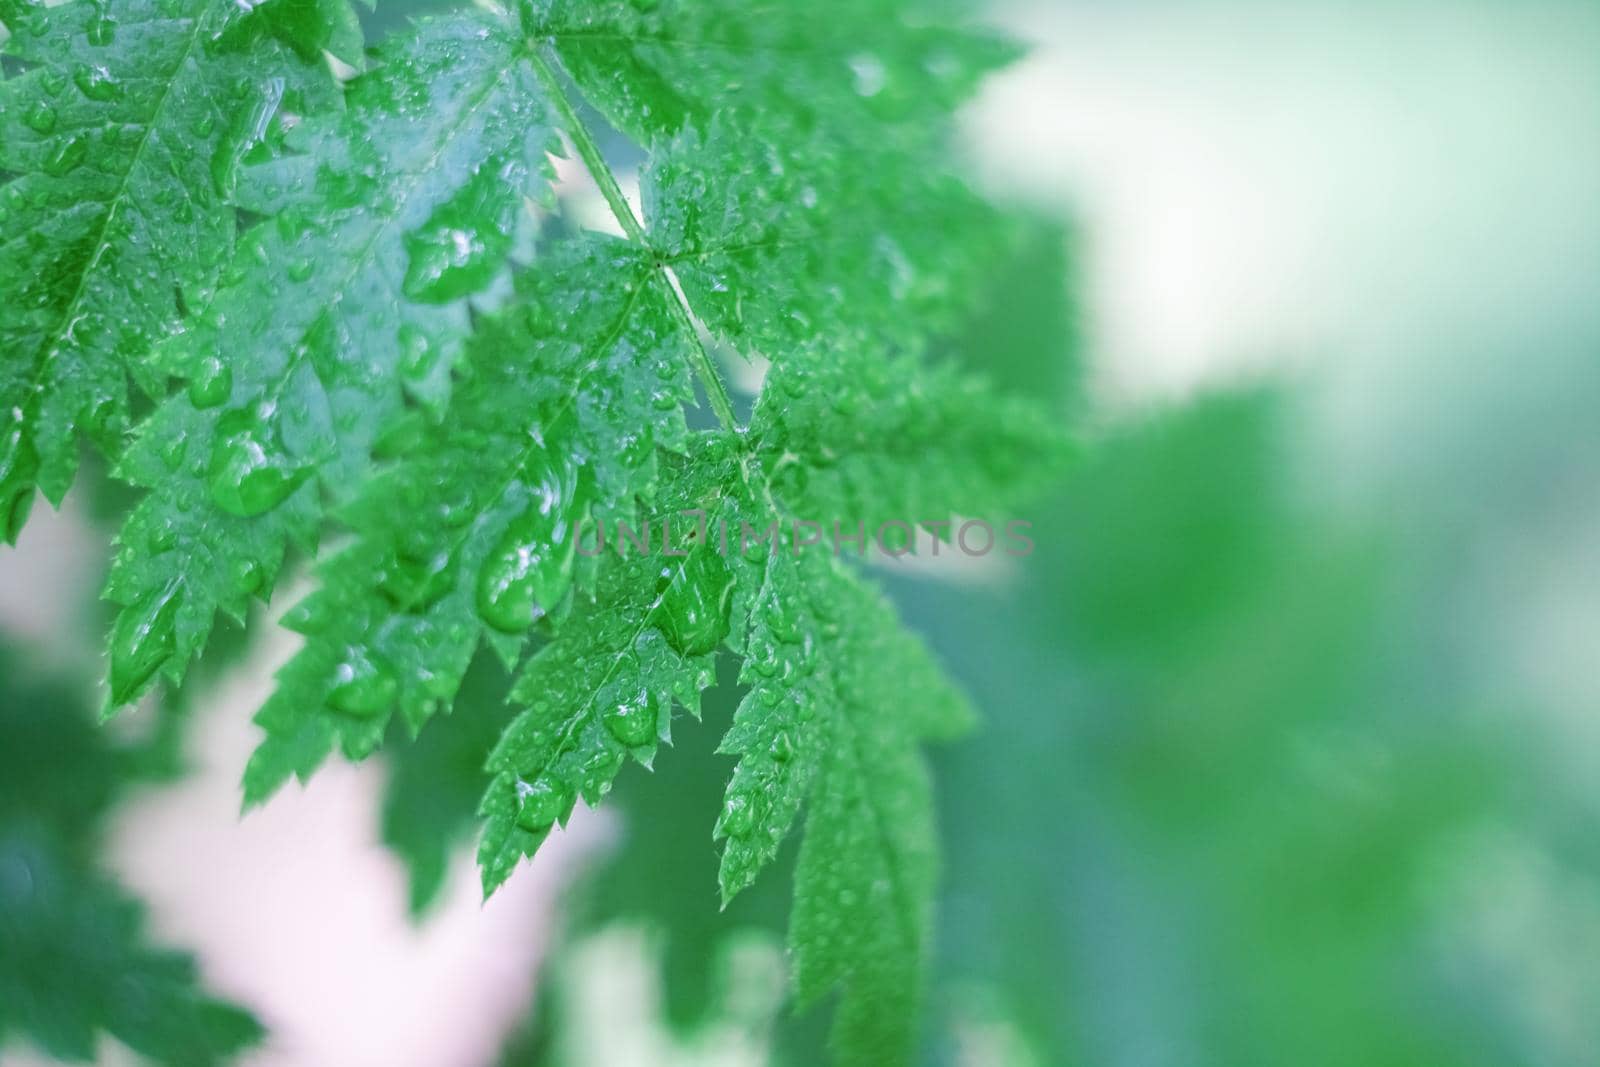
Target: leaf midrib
{"x":50,"y":346}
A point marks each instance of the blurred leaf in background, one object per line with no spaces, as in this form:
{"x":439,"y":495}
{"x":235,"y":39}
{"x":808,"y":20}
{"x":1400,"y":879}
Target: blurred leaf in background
{"x":1206,"y":715}
{"x":74,"y":960}
{"x":1254,"y":764}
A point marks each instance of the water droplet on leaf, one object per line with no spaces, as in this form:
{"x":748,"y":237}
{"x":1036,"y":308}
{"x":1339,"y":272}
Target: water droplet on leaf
{"x":96,"y":83}
{"x":211,"y":384}
{"x":67,"y":157}
{"x":415,"y":581}
{"x":102,"y":31}
{"x":310,"y":616}
{"x":530,"y":568}
{"x":361,"y":687}
{"x":539,"y":805}
{"x":782,"y":747}
{"x":248,"y":576}
{"x":463,"y":244}
{"x":249,"y":474}
{"x":694,"y":606}
{"x":41,"y":117}
{"x":19,"y":465}
{"x":174,"y":451}
{"x":766,"y":661}
{"x":418,"y":354}
{"x":870,"y":74}
{"x":784,"y":623}
{"x":632,"y":722}
{"x":738,"y":816}
{"x":145,"y":638}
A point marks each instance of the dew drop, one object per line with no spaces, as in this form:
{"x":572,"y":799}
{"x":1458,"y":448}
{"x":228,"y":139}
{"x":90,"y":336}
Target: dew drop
{"x":361,"y":687}
{"x":632,"y":722}
{"x":310,"y":616}
{"x":102,"y":31}
{"x":530,"y":568}
{"x":418,"y":354}
{"x":212,"y":383}
{"x":782,"y":749}
{"x":96,"y":83}
{"x":19,"y":465}
{"x":693,"y":610}
{"x":41,"y":117}
{"x":767,"y":662}
{"x":738,"y":816}
{"x":539,"y":805}
{"x":415,"y":581}
{"x":464,"y":242}
{"x":248,"y":576}
{"x":784,"y":624}
{"x":174,"y":451}
{"x":344,"y":190}
{"x":455,"y":509}
{"x":756,"y":546}
{"x":67,"y":157}
{"x":144,"y":639}
{"x":870,"y":74}
{"x":249,"y":474}
{"x":263,"y":106}
{"x":300,"y":270}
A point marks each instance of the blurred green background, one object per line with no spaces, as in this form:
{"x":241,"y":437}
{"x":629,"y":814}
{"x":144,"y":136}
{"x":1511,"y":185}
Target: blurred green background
{"x":1292,"y":726}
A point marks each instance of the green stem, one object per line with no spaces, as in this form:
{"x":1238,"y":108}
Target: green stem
{"x":716,"y":392}
{"x":594,"y":160}
{"x":588,"y":151}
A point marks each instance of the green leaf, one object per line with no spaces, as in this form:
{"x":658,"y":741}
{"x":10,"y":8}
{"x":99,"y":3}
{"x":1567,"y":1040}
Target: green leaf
{"x":655,"y":68}
{"x":342,"y":308}
{"x":604,"y":689}
{"x":74,"y":961}
{"x":840,"y":698}
{"x":470,"y":536}
{"x":799,"y":203}
{"x":798,"y":180}
{"x":814,"y":235}
{"x":312,"y":27}
{"x":74,"y":958}
{"x":121,"y":132}
{"x":852,"y":440}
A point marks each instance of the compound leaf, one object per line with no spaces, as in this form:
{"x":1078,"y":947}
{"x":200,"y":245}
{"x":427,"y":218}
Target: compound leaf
{"x":604,"y":689}
{"x":655,"y":69}
{"x":840,"y":698}
{"x":799,"y":203}
{"x":868,"y":442}
{"x":470,"y":536}
{"x":121,"y":131}
{"x":343,"y":307}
